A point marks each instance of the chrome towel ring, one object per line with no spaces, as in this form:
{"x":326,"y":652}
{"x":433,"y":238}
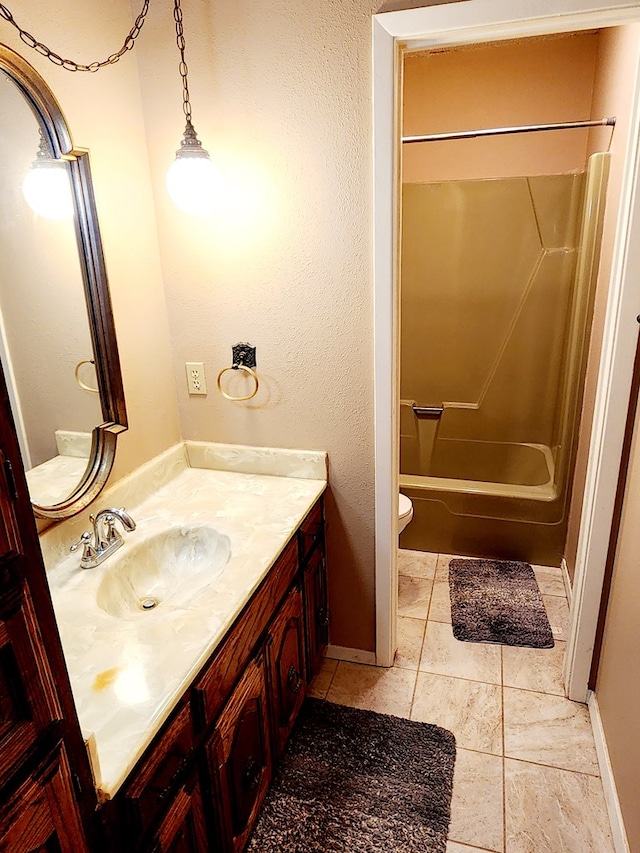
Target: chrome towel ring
{"x":244,"y":358}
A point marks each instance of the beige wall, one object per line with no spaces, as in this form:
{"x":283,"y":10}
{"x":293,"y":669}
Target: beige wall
{"x":531,"y":81}
{"x":617,"y":60}
{"x":104,"y":113}
{"x":618,"y":682}
{"x":281,"y":96}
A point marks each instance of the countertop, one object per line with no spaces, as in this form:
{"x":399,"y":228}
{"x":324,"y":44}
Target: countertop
{"x":127,"y":674}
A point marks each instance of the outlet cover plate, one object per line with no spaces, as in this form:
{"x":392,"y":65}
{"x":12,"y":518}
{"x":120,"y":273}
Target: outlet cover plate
{"x":196,"y":379}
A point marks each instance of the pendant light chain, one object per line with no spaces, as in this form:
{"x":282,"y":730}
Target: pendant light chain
{"x":190,"y":144}
{"x":69,"y":64}
{"x":183,"y":67}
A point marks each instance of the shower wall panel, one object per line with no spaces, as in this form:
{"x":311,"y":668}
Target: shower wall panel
{"x":488,"y":269}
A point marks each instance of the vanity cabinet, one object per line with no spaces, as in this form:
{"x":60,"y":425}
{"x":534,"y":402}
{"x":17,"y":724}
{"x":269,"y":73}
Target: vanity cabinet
{"x":200,"y":784}
{"x":28,"y":700}
{"x":316,"y":611}
{"x":47,"y":797}
{"x":238,"y":759}
{"x":182,"y":829}
{"x":286,"y":653}
{"x":41,"y":814}
{"x":158,"y":775}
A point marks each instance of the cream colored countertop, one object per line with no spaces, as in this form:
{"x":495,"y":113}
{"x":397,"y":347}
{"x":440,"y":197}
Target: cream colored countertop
{"x":127,"y":673}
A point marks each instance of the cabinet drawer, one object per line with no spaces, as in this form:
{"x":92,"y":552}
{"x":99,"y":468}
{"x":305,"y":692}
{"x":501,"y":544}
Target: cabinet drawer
{"x":229,"y":661}
{"x":285,"y":648}
{"x":159,"y":775}
{"x":42,"y":814}
{"x":238,"y":759}
{"x":311,"y":532}
{"x":28,"y":699}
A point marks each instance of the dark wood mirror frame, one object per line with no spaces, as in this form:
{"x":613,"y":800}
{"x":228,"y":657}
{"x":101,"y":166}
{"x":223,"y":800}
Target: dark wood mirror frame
{"x":96,"y":288}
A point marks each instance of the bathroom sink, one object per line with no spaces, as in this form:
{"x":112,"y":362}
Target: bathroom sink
{"x":165,"y":571}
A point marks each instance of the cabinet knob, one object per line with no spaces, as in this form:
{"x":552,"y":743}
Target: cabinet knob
{"x":294,"y":682}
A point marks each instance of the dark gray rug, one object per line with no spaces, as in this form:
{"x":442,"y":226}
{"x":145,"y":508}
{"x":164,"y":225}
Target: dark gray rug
{"x":497,"y":601}
{"x":360,"y":782}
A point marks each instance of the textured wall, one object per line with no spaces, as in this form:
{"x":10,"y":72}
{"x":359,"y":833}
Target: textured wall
{"x":104,"y":114}
{"x":526,"y":82}
{"x":618,"y":684}
{"x":281,"y":96}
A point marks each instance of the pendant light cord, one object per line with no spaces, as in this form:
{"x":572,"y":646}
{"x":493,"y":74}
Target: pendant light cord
{"x":69,"y":64}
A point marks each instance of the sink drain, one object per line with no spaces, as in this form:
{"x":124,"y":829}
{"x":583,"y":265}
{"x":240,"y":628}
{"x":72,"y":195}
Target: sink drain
{"x":148,"y":603}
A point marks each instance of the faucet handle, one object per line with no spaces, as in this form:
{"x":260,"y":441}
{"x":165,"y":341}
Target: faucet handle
{"x":110,"y":532}
{"x":88,"y":551}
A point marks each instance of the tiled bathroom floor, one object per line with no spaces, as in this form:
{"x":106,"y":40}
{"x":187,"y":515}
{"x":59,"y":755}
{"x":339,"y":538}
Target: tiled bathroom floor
{"x":526,"y":777}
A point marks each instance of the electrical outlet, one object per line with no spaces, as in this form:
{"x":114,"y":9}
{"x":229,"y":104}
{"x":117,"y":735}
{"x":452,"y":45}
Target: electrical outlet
{"x":196,"y":380}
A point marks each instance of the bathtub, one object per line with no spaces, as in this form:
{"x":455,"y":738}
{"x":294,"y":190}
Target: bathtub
{"x":483,"y":498}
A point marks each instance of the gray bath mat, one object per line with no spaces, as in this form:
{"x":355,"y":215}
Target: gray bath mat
{"x":497,"y":601}
{"x":355,"y":781}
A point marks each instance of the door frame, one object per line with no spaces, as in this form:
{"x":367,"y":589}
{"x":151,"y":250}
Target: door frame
{"x":468,"y":22}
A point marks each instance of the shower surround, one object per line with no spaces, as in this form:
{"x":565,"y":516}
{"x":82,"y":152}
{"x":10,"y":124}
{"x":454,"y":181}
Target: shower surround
{"x":497,"y":286}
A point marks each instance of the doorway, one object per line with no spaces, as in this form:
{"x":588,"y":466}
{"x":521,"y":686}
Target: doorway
{"x":472,"y":23}
{"x":500,"y":249}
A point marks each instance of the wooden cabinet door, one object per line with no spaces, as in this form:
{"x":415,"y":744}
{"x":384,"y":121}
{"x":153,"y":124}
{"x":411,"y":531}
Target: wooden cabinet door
{"x":315,"y":610}
{"x":28,"y":699}
{"x":182,"y":829}
{"x":158,"y":774}
{"x":285,"y":648}
{"x":9,"y":538}
{"x":239,"y":759}
{"x":42,"y":814}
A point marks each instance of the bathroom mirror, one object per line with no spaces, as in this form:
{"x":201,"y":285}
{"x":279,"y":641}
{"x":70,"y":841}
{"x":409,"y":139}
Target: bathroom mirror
{"x":57,"y":338}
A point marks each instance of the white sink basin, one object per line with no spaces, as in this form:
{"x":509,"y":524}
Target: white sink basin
{"x":164,"y":572}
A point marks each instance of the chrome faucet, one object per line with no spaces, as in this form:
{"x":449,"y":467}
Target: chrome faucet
{"x":106,"y":539}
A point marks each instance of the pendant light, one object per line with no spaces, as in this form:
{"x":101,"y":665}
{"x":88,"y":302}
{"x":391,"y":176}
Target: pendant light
{"x":192,"y":179}
{"x":46,"y":186}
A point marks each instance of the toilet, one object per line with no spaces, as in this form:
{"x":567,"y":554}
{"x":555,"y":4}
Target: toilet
{"x":405,"y":512}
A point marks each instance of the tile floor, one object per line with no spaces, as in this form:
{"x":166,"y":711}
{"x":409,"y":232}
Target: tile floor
{"x":526,"y":777}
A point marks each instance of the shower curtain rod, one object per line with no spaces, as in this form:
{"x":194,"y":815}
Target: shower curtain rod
{"x":502,"y":131}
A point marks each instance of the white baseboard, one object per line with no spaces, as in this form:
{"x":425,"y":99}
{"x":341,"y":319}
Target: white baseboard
{"x":567,"y":580}
{"x":350,"y":655}
{"x":618,"y":832}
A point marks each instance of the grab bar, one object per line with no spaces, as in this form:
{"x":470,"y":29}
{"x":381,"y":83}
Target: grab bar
{"x":427,"y":411}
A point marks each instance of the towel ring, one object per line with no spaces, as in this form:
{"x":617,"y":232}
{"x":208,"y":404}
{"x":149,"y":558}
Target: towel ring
{"x":246,"y":370}
{"x":77,"y":376}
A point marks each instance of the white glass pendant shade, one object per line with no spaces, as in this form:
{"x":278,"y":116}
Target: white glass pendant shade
{"x":47,"y":190}
{"x":193,"y":183}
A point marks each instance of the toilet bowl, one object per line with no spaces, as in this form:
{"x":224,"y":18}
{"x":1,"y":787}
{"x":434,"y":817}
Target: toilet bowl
{"x":405,"y":512}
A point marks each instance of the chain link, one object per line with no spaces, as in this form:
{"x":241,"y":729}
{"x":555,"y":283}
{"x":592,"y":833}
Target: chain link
{"x":183,"y":67}
{"x":69,"y":64}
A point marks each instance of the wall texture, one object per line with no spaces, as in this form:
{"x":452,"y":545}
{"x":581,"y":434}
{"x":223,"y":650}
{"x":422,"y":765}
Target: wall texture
{"x":618,"y":682}
{"x":281,"y":96}
{"x":526,"y":82}
{"x":105,"y":115}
